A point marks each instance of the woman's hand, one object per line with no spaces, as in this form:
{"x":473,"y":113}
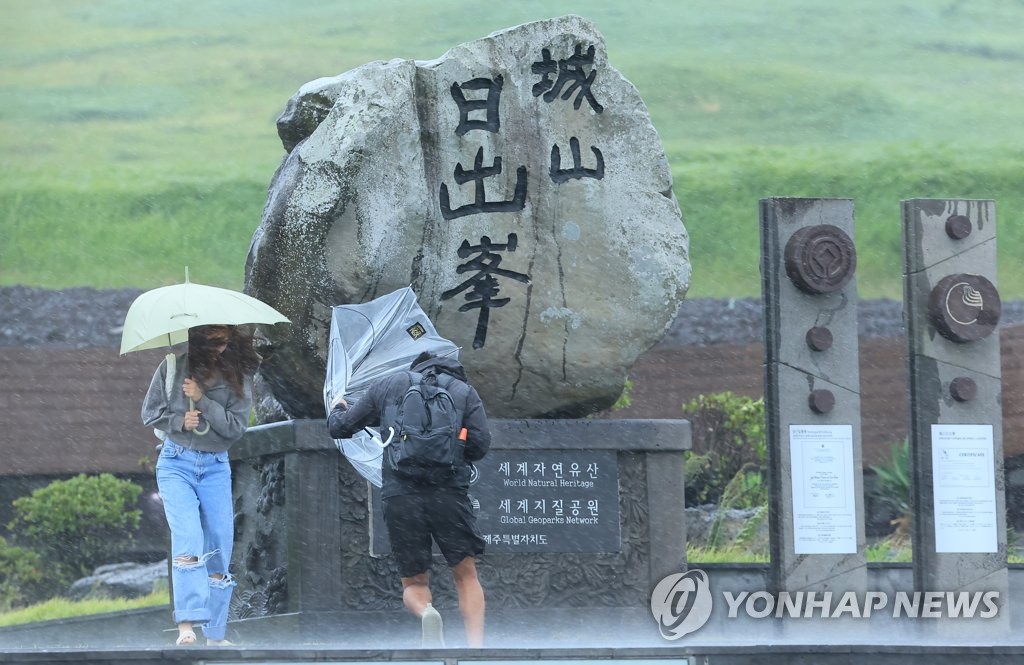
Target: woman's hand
{"x":191,"y":421}
{"x":192,"y":390}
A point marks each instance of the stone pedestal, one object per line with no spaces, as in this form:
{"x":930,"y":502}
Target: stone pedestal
{"x":303,"y":522}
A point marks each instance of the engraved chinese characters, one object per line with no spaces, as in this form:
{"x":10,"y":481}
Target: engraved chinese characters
{"x":516,"y":183}
{"x":483,"y":285}
{"x":572,"y":75}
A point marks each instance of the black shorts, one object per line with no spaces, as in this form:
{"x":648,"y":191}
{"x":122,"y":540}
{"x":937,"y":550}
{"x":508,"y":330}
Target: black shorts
{"x":413,"y":519}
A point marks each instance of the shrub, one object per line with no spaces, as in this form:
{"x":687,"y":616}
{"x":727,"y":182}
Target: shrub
{"x":77,"y":524}
{"x":728,"y":436}
{"x":746,"y":490}
{"x":892,"y":490}
{"x":21,"y":576}
{"x":888,"y":551}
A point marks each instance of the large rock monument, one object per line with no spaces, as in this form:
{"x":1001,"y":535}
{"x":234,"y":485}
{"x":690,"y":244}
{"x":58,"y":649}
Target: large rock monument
{"x":516,"y":183}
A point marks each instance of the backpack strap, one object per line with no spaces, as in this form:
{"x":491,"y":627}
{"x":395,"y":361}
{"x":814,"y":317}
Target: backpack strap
{"x":172,"y":369}
{"x":170,"y":362}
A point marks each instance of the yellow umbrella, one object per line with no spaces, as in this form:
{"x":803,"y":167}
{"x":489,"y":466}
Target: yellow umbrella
{"x":162,"y":317}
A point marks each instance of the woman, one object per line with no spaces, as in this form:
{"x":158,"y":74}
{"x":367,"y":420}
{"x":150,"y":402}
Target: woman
{"x":201,"y":411}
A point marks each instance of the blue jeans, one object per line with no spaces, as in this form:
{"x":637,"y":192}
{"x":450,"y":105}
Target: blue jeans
{"x":196,"y":492}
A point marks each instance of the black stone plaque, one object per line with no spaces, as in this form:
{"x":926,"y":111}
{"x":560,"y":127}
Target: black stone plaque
{"x":964,"y":307}
{"x":820,"y":259}
{"x":539,"y":501}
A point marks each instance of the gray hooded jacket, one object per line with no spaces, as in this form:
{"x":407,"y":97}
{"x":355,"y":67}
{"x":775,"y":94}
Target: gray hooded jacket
{"x":226,"y":412}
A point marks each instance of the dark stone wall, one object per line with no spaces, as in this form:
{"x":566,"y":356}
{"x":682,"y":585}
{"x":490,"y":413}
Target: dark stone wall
{"x":303,"y":525}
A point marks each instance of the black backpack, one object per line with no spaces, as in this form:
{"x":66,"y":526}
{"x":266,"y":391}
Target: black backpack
{"x":426,"y":442}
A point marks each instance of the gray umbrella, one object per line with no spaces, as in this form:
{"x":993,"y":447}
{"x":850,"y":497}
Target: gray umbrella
{"x":369,"y":341}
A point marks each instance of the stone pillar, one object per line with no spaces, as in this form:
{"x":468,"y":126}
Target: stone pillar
{"x":952,"y":309}
{"x":288,"y":528}
{"x":812,"y":395}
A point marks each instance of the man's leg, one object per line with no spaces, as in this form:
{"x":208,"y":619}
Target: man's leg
{"x":471,"y":600}
{"x":416,"y":593}
{"x":417,"y":598}
{"x":409,"y":531}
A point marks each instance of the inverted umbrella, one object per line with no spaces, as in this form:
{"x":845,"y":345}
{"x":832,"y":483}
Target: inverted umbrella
{"x":369,"y":341}
{"x":162,"y":317}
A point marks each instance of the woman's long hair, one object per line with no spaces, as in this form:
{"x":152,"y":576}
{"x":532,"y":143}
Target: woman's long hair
{"x":238,"y":361}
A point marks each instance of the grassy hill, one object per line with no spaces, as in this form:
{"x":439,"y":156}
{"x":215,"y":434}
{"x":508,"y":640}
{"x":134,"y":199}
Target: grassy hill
{"x":138,"y":137}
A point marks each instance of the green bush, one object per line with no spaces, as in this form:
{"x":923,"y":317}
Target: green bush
{"x":891,"y":490}
{"x":746,"y":490}
{"x":728,"y":436}
{"x":77,"y":524}
{"x":21,"y":576}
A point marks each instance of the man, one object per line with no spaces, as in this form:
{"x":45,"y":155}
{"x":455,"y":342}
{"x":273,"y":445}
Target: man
{"x":417,"y":508}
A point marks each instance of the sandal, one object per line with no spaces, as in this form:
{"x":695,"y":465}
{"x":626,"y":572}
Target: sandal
{"x":186,"y":638}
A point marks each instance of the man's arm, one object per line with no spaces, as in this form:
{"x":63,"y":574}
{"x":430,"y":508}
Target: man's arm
{"x":478,"y":434}
{"x":344,"y":421}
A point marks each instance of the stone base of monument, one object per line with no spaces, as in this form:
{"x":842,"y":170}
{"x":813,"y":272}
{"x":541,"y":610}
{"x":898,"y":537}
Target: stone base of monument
{"x":586,"y":515}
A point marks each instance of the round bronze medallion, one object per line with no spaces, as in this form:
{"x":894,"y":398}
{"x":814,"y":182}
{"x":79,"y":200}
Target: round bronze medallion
{"x":958,"y":227}
{"x":819,"y":338}
{"x":963,"y":389}
{"x":964,"y":307}
{"x":821,"y":400}
{"x":820,"y":259}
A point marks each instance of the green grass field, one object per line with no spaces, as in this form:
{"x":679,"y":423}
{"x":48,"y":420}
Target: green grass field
{"x":131,"y":133}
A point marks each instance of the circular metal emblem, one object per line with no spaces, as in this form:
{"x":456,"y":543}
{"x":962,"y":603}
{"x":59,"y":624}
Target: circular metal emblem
{"x":964,"y":308}
{"x":819,"y":338}
{"x":820,"y":259}
{"x":963,"y":389}
{"x":821,"y":400}
{"x":958,"y":227}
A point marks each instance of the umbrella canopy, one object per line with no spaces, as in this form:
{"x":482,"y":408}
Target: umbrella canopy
{"x":162,"y":317}
{"x":369,"y":341}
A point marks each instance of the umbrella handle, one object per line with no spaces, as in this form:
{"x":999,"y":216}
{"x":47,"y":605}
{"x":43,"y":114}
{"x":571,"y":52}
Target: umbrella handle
{"x":192,"y":407}
{"x":383,"y":444}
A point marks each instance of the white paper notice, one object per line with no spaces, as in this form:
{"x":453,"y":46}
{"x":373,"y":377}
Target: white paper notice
{"x":964,"y":488}
{"x":824,"y":507}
